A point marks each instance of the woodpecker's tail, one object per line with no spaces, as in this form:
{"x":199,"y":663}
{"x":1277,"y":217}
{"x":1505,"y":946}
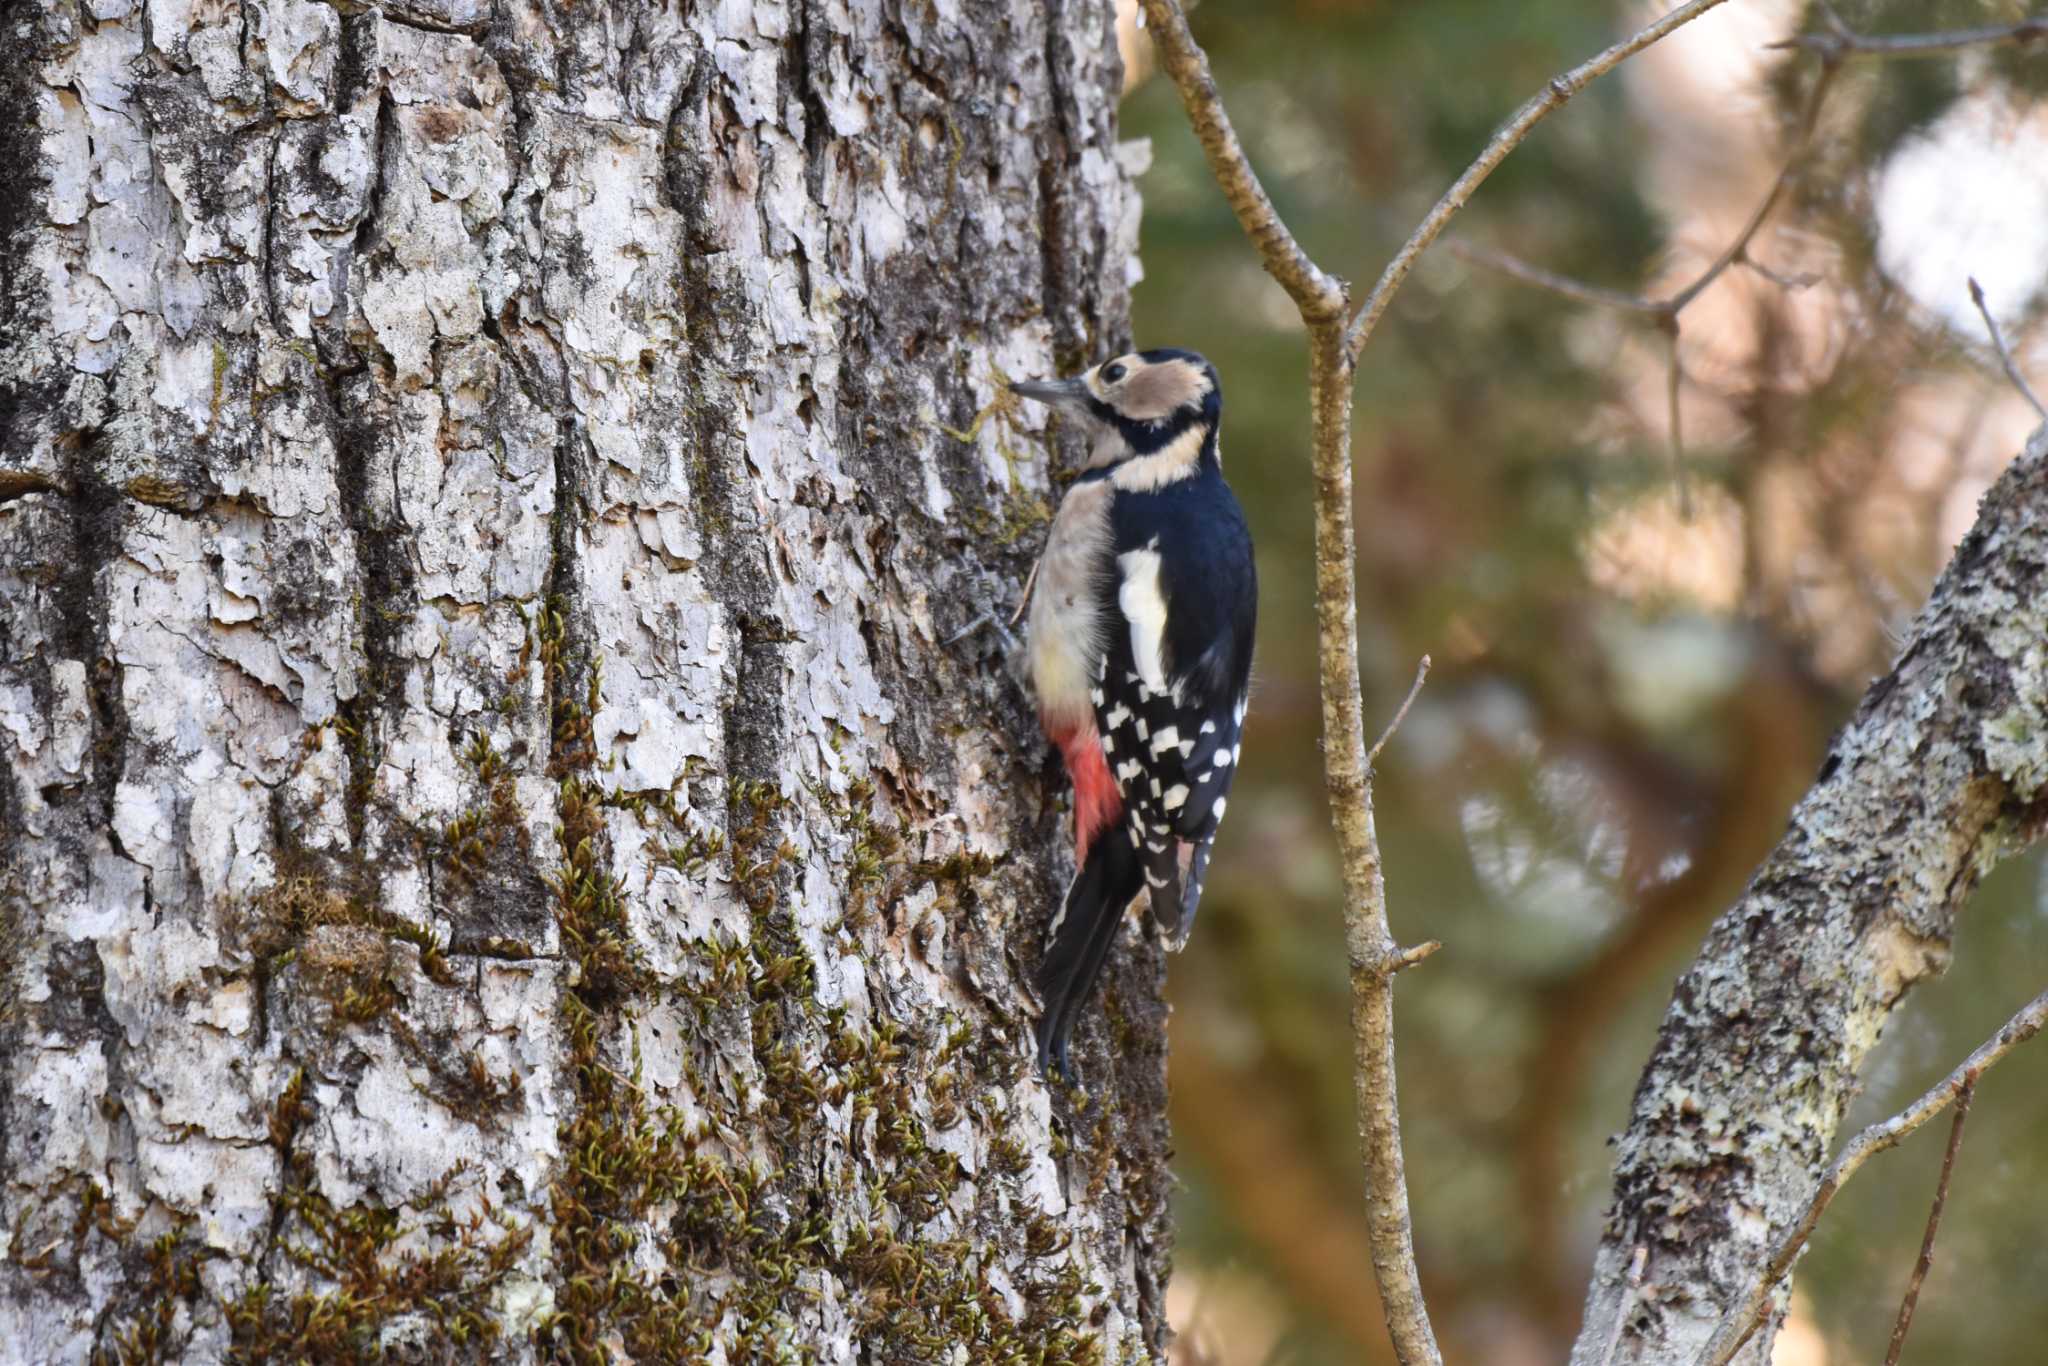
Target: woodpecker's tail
{"x":1082,"y":935}
{"x":1197,"y":857}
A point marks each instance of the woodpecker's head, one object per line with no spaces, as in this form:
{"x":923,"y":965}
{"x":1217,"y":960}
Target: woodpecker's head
{"x":1147,"y":403}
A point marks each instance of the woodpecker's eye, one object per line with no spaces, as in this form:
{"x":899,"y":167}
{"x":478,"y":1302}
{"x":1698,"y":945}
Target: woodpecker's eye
{"x":1112,"y":373}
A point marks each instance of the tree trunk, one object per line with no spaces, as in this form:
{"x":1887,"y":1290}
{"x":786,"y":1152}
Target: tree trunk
{"x":499,"y":859}
{"x":1942,"y":772}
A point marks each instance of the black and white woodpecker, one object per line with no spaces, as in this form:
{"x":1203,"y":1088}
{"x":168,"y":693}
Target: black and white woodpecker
{"x":1141,"y":653}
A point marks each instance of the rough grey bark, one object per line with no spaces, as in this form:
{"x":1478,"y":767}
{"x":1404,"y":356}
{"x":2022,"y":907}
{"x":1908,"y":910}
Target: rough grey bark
{"x":1943,"y":771}
{"x":497,"y":860}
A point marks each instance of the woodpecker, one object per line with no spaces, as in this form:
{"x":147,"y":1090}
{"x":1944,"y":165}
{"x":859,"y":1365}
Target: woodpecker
{"x":1140,"y":651}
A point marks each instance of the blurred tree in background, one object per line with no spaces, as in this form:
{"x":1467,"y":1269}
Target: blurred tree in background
{"x":1627,"y":699}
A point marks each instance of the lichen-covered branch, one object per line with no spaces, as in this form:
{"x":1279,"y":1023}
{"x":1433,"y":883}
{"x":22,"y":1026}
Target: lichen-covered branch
{"x":1942,"y":772}
{"x":1954,"y":1089}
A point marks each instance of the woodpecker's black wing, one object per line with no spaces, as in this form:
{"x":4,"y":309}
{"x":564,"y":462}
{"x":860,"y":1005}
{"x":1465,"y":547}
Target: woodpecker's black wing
{"x":1170,"y":700}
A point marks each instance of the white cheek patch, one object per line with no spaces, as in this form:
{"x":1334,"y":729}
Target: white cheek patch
{"x":1144,"y":607}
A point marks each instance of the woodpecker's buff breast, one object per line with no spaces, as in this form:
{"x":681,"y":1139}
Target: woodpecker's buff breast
{"x":1141,"y":635}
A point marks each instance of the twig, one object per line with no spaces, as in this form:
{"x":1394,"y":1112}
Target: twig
{"x":1510,"y":136}
{"x":1748,"y":1313}
{"x":1842,"y":43}
{"x":1400,"y":714}
{"x":2012,"y":371}
{"x":1409,"y":957}
{"x":1926,"y":1258}
{"x":1805,"y":279}
{"x":1636,"y":1264}
{"x":1024,"y":601}
{"x":1666,"y":310}
{"x":1738,"y":250}
{"x":1576,"y":290}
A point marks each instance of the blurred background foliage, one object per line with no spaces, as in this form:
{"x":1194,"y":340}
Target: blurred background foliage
{"x":1626,"y":700}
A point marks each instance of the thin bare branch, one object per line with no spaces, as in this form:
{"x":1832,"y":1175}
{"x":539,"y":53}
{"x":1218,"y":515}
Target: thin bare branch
{"x":1319,"y":296}
{"x":1510,"y":136}
{"x":1749,"y":1313}
{"x":1636,"y":1265}
{"x":2012,"y":371}
{"x":1926,"y":1257}
{"x":1666,"y":310}
{"x":1576,"y":290}
{"x":1347,"y":768}
{"x":1834,"y":48}
{"x":1400,"y":713}
{"x":1841,"y":43}
{"x":1805,"y":279}
{"x":1368,"y":940}
{"x":1738,"y":250}
{"x":1024,"y":599}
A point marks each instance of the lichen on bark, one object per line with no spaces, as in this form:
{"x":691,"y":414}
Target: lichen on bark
{"x":499,"y":855}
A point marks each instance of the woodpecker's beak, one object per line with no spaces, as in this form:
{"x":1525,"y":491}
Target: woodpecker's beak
{"x":1070,"y":394}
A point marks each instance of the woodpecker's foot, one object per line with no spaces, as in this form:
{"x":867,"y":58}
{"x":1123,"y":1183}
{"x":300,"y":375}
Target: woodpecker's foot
{"x":986,"y":621}
{"x":1059,"y":1067}
{"x":1053,"y":1061}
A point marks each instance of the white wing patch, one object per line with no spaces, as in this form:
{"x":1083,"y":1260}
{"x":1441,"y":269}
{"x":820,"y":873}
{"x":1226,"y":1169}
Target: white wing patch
{"x":1144,"y":607}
